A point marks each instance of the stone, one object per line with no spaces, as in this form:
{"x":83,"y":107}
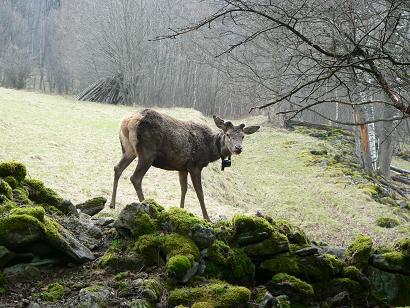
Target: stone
{"x":308,"y":251}
{"x":392,"y":262}
{"x":95,"y":297}
{"x":92,"y":206}
{"x":136,"y":219}
{"x":68,"y":207}
{"x":403,"y":204}
{"x":341,"y":299}
{"x":267,"y":301}
{"x":204,"y":236}
{"x":5,"y":256}
{"x":277,"y":243}
{"x":393,"y":287}
{"x":190,"y":273}
{"x":102,"y":221}
{"x":22,"y":272}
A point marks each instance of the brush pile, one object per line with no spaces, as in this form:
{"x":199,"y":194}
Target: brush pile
{"x":108,"y":90}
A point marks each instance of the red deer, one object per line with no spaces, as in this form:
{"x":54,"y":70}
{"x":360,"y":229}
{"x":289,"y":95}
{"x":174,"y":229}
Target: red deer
{"x":167,"y":143}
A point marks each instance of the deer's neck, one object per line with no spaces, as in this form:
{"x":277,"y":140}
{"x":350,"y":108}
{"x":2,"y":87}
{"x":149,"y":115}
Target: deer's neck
{"x":219,"y":150}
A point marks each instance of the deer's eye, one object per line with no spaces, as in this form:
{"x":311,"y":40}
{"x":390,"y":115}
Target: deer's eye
{"x":228,"y":135}
{"x":243,"y":137}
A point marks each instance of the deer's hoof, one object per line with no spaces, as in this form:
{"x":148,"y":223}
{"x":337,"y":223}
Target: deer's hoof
{"x":112,"y":206}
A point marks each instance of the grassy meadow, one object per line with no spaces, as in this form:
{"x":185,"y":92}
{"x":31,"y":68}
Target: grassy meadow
{"x":73,"y":147}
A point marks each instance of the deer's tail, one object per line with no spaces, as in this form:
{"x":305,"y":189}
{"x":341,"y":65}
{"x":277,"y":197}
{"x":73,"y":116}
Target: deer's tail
{"x":129,"y":134}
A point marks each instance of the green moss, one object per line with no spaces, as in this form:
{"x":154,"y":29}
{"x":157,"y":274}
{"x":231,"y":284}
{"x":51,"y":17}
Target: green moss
{"x":176,"y":244}
{"x":144,"y":224}
{"x":148,"y":246}
{"x":11,"y":181}
{"x":294,"y":234}
{"x":403,"y":246}
{"x":218,"y":295}
{"x":5,"y":189}
{"x":20,"y":229}
{"x":41,"y":194}
{"x":350,"y":272}
{"x":178,"y":266}
{"x":154,"y":286}
{"x":20,"y":196}
{"x":121,"y":275}
{"x":157,"y":208}
{"x":276,"y":243}
{"x":181,"y":221}
{"x":282,"y":264}
{"x":371,"y":190}
{"x":359,"y":251}
{"x":334,"y":263}
{"x":229,"y":264}
{"x":13,"y":168}
{"x":302,"y":287}
{"x":224,"y":231}
{"x":244,"y":224}
{"x":398,"y":259}
{"x":347,"y":284}
{"x":54,"y":292}
{"x":388,"y":201}
{"x":387,"y":222}
{"x":37,"y":212}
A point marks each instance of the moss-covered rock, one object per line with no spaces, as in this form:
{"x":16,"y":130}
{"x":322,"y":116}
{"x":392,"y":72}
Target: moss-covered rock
{"x":394,"y":261}
{"x":36,"y":212}
{"x":39,"y":193}
{"x":14,"y":169}
{"x":181,"y":221}
{"x":55,"y":291}
{"x":311,"y":268}
{"x":178,"y":266}
{"x":359,"y":251}
{"x":230,"y":264}
{"x":293,"y":287}
{"x":276,"y":243}
{"x":138,"y":219}
{"x":220,"y":294}
{"x":5,"y":189}
{"x":177,"y":244}
{"x":393,"y":287}
{"x":294,"y":234}
{"x":251,"y":229}
{"x":403,"y":246}
{"x":224,"y":231}
{"x":92,"y":206}
{"x":387,"y":222}
{"x":11,"y":180}
{"x":21,"y":196}
{"x":353,"y":273}
{"x":20,"y":227}
{"x":148,"y":246}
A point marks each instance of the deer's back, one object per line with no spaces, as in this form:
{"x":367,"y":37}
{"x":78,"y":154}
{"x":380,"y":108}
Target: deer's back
{"x":175,"y":144}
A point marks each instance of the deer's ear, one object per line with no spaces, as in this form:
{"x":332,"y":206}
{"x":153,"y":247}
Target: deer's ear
{"x":251,"y":129}
{"x":219,"y":122}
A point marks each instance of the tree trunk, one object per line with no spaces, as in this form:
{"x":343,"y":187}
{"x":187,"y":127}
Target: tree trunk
{"x":386,"y":143}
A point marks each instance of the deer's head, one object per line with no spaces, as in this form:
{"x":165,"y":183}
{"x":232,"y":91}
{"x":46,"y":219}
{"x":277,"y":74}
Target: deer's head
{"x":234,"y":134}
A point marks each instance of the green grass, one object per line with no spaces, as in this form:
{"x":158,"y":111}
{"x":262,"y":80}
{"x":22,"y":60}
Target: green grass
{"x":73,"y":147}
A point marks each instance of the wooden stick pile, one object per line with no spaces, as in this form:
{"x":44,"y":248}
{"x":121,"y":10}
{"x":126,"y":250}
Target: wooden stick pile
{"x":106,"y":90}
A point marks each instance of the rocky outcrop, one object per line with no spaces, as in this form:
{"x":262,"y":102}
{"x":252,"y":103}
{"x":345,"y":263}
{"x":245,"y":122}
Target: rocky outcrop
{"x":150,"y":256}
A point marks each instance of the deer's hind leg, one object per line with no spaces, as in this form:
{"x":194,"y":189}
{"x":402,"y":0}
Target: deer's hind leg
{"x":144,"y":163}
{"x":118,"y":170}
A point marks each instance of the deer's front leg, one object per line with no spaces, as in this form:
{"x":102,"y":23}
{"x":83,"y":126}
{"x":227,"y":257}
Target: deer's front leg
{"x":183,"y":181}
{"x":196,"y":181}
